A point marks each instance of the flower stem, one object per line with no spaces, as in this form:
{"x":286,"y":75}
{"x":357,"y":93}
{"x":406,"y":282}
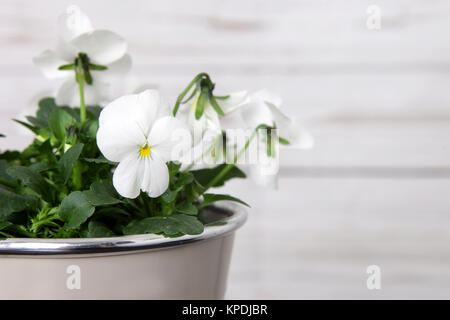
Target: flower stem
{"x":80,"y":79}
{"x":188,"y":88}
{"x":82,"y":105}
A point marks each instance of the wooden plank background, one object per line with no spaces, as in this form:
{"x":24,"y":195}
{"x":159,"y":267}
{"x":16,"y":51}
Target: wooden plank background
{"x":373,"y":190}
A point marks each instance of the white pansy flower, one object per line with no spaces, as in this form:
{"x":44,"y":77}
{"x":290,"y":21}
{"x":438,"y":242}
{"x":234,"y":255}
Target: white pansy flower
{"x":210,"y":120}
{"x":264,"y":108}
{"x":138,"y":132}
{"x":105,"y":48}
{"x":207,"y":131}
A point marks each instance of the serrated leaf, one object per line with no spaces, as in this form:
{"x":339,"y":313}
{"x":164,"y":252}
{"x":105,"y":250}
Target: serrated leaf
{"x":58,"y":123}
{"x":12,"y":202}
{"x":102,"y":193}
{"x":67,"y":161}
{"x":31,"y":179}
{"x":99,"y":230}
{"x":171,"y":225}
{"x":187,"y":208}
{"x":204,"y":176}
{"x":209,"y":198}
{"x":75,"y":209}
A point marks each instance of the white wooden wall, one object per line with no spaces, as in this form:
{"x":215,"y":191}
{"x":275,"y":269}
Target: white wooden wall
{"x":375,"y":188}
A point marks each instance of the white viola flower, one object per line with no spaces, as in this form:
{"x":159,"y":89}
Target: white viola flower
{"x":102,"y":47}
{"x":264,"y":108}
{"x":209,"y":123}
{"x":207,"y":131}
{"x":139,"y":133}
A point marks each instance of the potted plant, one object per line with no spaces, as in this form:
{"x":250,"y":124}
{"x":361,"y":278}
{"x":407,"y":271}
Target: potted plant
{"x":113,"y":198}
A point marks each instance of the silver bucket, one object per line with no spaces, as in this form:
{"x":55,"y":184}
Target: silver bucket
{"x":128,"y":267}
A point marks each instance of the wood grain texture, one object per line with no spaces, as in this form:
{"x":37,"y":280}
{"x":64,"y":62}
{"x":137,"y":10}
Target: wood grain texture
{"x":372,"y":191}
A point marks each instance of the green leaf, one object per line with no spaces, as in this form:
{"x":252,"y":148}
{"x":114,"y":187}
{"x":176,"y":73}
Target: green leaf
{"x":3,"y":174}
{"x":2,"y":135}
{"x":97,"y":67}
{"x":40,"y":167}
{"x":28,"y":126}
{"x":216,"y":106}
{"x":99,"y":230}
{"x":31,"y":179}
{"x":58,"y":122}
{"x":209,"y":198}
{"x":221,"y":97}
{"x":5,"y":224}
{"x":75,"y":209}
{"x":204,"y":176}
{"x":201,"y":102}
{"x":184,"y":179}
{"x":169,"y":196}
{"x":36,"y":122}
{"x":46,"y":106}
{"x":171,"y":225}
{"x":94,"y":111}
{"x":101,"y":159}
{"x":102,"y":193}
{"x":187,"y":208}
{"x":12,"y":202}
{"x":90,"y":128}
{"x":283,"y":141}
{"x":65,"y":164}
{"x":70,"y":66}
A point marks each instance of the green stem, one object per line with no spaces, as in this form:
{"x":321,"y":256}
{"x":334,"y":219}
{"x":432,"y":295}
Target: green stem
{"x":230,"y":166}
{"x":188,"y":88}
{"x":82,"y":105}
{"x":80,"y":80}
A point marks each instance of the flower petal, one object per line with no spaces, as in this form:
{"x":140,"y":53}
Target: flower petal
{"x":233,"y":102}
{"x":127,"y":176}
{"x":268,"y":97}
{"x":291,"y":129}
{"x":102,"y":46}
{"x":156,"y":176}
{"x":49,"y":62}
{"x":120,"y":128}
{"x":72,"y":23}
{"x":257,"y":112}
{"x":169,"y":138}
{"x":116,"y":70}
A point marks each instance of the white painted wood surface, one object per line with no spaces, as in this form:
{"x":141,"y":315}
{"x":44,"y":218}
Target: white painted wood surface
{"x":374,"y":189}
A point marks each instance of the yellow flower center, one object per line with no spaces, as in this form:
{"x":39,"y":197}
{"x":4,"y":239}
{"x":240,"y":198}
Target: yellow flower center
{"x":145,"y":151}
